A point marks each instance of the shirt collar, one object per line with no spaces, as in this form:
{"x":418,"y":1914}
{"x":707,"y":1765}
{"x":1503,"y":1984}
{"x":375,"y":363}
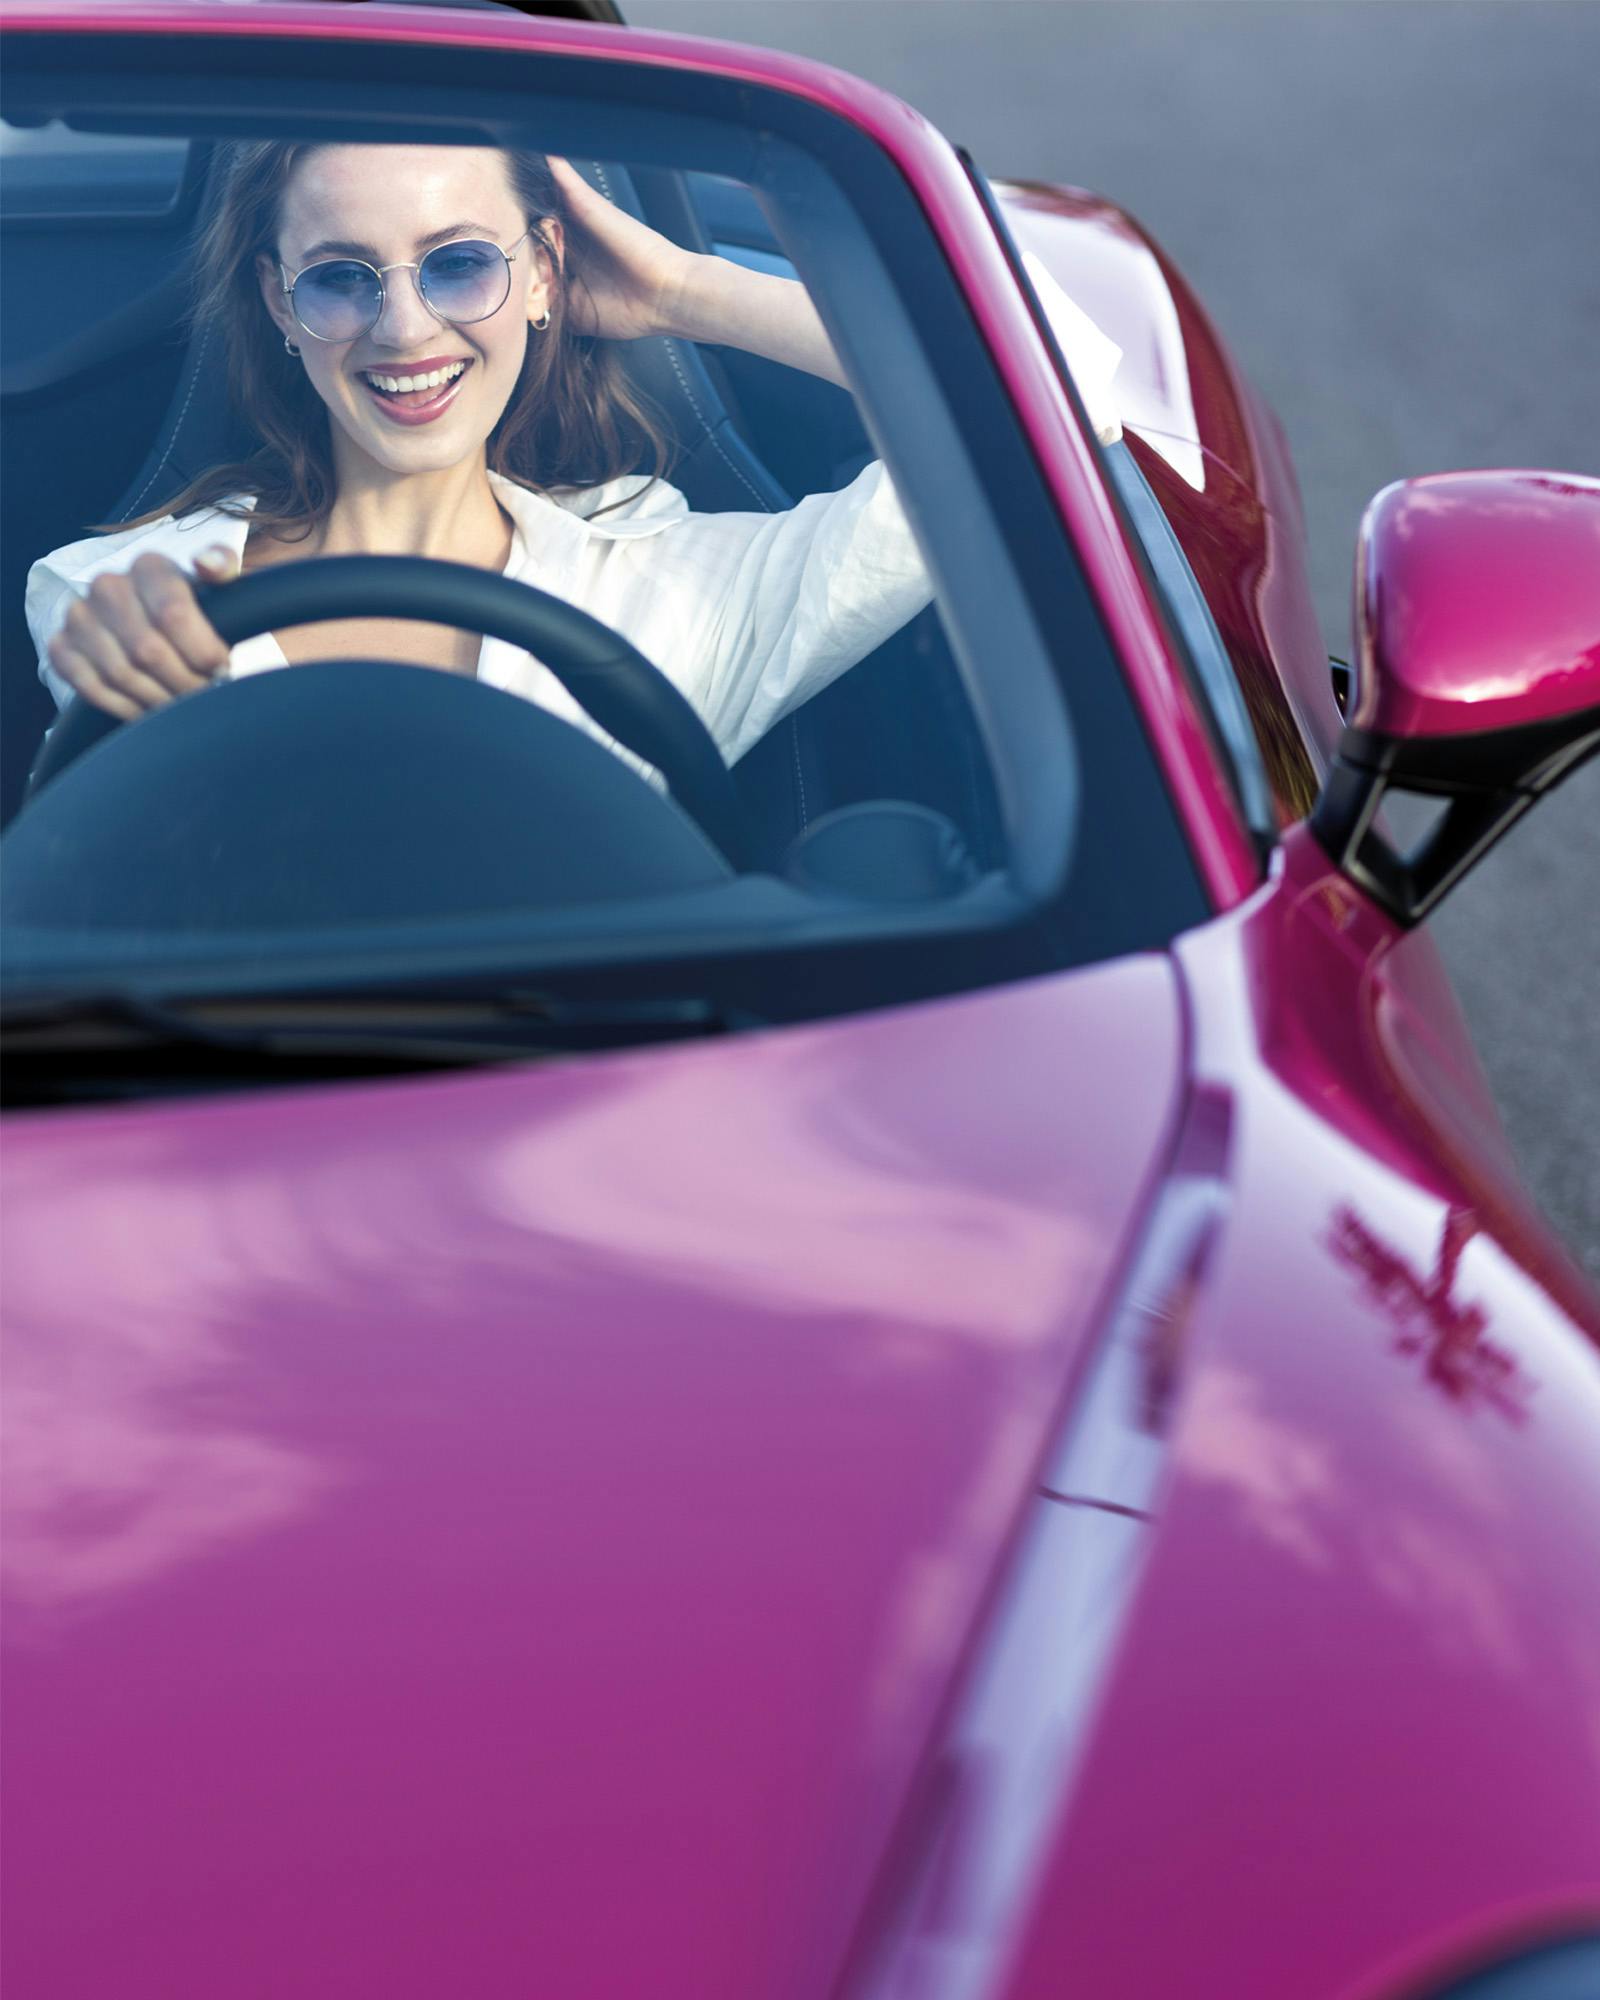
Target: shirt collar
{"x":559,"y":525}
{"x":563,"y":524}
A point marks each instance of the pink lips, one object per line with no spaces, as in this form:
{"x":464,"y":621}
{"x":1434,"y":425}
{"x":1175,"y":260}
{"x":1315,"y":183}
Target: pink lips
{"x":405,"y":411}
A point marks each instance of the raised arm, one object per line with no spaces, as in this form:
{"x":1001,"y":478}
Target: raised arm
{"x":638,"y":283}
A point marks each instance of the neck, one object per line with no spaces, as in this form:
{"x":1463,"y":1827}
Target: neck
{"x":451,"y":514}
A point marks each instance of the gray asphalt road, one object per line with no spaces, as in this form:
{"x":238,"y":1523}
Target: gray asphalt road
{"x":1392,"y":207}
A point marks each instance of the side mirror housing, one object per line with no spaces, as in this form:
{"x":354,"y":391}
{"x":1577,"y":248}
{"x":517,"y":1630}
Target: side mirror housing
{"x":1477,"y":670}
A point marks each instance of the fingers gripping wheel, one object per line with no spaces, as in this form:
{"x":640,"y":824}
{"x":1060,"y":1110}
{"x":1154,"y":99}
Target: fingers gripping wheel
{"x":612,"y":681}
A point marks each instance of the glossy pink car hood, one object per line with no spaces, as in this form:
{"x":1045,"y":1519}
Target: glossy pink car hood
{"x":1353,"y":1740}
{"x":515,"y":1535}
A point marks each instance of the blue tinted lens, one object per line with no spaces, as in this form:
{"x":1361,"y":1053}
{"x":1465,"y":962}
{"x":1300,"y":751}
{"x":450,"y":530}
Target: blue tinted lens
{"x":465,"y":281}
{"x":337,"y":300}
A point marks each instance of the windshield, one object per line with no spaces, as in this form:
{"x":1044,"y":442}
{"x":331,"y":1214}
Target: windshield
{"x":566,"y":535}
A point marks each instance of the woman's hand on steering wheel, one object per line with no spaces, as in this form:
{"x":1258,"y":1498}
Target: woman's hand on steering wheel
{"x":139,"y":640}
{"x":628,"y":697}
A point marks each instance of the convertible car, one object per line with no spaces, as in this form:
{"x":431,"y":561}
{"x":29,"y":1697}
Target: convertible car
{"x":911,"y":1367}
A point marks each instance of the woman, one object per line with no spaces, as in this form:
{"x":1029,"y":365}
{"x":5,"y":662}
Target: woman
{"x":418,"y":336}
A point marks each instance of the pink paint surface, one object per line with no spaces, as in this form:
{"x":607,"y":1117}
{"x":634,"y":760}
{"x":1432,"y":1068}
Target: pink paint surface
{"x":1353,"y":1737}
{"x":1478,"y":603}
{"x":1345,"y":1740}
{"x":932,"y":169}
{"x":1214,"y":460}
{"x":532,"y":1533}
{"x":515,"y":1535}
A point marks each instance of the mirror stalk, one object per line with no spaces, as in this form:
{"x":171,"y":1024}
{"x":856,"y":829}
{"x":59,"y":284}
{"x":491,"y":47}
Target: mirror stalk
{"x":1490,"y":781}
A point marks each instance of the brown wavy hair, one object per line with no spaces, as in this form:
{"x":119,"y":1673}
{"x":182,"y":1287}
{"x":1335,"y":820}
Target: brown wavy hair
{"x":572,"y":420}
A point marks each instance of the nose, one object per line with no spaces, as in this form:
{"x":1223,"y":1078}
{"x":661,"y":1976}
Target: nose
{"x":406,"y":316}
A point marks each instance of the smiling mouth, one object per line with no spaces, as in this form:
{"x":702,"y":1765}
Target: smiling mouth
{"x":417,"y":392}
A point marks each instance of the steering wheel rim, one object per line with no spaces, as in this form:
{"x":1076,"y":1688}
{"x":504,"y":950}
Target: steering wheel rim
{"x":612,"y":681}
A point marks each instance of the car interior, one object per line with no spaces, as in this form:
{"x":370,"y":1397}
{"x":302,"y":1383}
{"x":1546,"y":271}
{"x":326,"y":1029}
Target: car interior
{"x":976,"y":800}
{"x":112,"y":404}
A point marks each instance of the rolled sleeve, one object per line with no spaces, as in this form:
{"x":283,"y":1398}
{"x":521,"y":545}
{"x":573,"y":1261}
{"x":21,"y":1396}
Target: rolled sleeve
{"x":46,"y":601}
{"x":803,"y":596}
{"x":55,"y":581}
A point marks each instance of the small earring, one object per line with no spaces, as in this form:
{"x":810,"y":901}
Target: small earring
{"x":289,"y":346}
{"x":542,"y":322}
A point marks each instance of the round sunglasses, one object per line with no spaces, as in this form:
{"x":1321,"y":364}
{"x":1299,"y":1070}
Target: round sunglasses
{"x":460,"y":282}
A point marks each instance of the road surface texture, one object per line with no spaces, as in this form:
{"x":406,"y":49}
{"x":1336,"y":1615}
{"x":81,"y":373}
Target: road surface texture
{"x":1390,"y":207}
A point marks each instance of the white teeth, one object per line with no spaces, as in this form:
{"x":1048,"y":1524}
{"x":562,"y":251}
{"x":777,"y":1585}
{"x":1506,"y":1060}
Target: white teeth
{"x":401,"y":384}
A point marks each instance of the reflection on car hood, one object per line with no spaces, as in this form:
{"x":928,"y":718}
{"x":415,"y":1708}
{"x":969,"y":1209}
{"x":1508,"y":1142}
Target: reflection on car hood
{"x":514,"y":1533}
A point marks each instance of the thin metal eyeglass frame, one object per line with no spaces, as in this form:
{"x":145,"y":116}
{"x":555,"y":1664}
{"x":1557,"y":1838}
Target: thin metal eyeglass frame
{"x":380,"y":272}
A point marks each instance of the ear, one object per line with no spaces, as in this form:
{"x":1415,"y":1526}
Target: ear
{"x":548,"y":247}
{"x":273,"y":297}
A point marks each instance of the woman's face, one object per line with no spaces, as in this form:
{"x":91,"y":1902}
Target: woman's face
{"x":391,"y":205}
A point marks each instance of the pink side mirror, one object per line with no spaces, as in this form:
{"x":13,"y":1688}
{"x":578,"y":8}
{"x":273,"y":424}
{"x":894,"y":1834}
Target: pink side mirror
{"x":1477,"y":673}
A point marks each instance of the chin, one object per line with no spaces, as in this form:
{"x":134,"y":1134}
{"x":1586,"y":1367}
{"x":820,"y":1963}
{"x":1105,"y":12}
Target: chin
{"x":434,"y":449}
{"x":427,"y":454}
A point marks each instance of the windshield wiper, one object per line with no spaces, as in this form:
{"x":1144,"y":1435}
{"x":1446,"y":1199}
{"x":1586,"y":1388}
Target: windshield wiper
{"x":80,"y":1046}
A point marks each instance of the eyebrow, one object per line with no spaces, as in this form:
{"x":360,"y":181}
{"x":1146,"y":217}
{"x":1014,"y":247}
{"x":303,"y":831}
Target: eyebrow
{"x":424,"y":244}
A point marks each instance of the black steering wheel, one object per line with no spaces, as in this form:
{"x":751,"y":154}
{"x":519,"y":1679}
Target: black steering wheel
{"x":615,"y":684}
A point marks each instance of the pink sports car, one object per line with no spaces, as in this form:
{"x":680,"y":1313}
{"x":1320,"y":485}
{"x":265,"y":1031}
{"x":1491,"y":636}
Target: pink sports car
{"x":802,"y":1286}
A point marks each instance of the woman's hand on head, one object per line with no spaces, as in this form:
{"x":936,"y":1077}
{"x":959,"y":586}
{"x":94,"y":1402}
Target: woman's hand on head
{"x":639,"y":283}
{"x":138,"y":641}
{"x":631,"y":274}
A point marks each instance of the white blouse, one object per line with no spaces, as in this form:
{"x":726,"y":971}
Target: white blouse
{"x":748,"y":615}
